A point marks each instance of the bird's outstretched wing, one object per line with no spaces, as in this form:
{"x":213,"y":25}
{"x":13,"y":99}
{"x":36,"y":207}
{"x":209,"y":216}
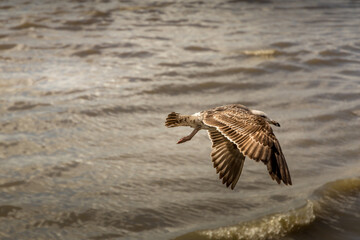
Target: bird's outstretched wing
{"x":227,"y":158}
{"x":253,"y":136}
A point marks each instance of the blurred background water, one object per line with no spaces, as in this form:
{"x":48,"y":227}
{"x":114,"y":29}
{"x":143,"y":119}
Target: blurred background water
{"x":85,"y":87}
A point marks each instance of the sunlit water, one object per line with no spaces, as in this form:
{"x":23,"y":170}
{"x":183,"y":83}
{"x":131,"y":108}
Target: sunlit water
{"x":85,"y":87}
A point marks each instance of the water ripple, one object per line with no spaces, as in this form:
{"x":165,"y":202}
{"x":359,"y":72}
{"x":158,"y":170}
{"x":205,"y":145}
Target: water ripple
{"x":318,"y":62}
{"x":228,"y":72}
{"x":175,"y":89}
{"x":20,"y":106}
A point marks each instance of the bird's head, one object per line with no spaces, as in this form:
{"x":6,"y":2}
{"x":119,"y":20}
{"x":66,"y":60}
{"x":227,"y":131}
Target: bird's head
{"x":263,"y":115}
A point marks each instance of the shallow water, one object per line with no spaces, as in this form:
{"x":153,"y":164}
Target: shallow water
{"x":85,"y":87}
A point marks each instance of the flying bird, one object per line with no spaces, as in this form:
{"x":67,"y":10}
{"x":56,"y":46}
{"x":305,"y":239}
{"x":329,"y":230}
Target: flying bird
{"x":236,"y":132}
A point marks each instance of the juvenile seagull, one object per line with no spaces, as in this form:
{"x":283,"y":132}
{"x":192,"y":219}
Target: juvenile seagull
{"x":237,"y":131}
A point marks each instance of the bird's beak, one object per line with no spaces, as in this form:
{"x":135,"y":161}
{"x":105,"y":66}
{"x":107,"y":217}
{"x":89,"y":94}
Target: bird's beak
{"x":275,"y":123}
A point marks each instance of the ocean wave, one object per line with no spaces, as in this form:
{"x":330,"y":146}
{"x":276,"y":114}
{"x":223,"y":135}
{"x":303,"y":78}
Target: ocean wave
{"x":133,"y":54}
{"x":12,"y":184}
{"x":115,"y":110}
{"x":331,"y":204}
{"x":333,"y":53}
{"x":329,"y":196}
{"x":6,"y":210}
{"x":198,"y":49}
{"x":228,"y":72}
{"x":284,"y":44}
{"x":20,"y":105}
{"x":268,"y":227}
{"x":318,"y":62}
{"x":272,"y":66}
{"x":85,"y":53}
{"x":271,"y":53}
{"x":176,"y":89}
{"x":262,"y":52}
{"x":186,"y":64}
{"x":7,"y":46}
{"x":26,"y":25}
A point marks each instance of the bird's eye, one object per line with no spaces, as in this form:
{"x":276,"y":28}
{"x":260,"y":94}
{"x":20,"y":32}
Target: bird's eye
{"x":263,"y":116}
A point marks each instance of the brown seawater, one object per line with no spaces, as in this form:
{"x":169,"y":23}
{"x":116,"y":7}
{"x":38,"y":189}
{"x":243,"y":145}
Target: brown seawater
{"x":85,"y":87}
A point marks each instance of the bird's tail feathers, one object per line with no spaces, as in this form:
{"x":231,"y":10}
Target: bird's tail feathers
{"x":173,"y":120}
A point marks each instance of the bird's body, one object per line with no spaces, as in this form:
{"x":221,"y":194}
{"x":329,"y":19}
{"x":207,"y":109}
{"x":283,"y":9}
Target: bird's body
{"x":236,"y":132}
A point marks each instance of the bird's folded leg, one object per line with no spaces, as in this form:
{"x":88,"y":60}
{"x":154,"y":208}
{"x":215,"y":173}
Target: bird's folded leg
{"x":189,"y":137}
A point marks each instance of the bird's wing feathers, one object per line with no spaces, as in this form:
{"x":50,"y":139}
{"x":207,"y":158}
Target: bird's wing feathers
{"x":254,"y":138}
{"x":227,"y":158}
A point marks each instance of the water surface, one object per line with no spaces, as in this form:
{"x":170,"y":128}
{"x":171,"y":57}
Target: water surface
{"x":85,"y":87}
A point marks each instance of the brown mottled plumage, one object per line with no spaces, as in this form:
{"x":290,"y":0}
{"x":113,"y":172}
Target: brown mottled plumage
{"x":236,"y":132}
